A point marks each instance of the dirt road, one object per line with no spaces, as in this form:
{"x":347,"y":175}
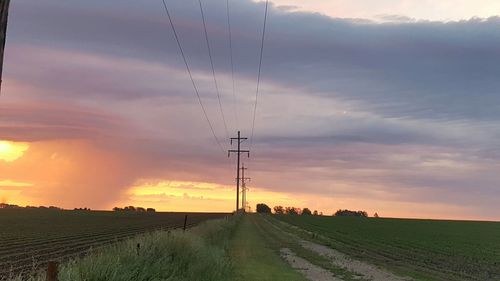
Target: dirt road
{"x":321,"y":263}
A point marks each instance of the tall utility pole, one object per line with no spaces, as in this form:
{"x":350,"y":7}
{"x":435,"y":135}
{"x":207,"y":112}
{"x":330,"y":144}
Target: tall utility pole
{"x":243,"y":187}
{"x":238,"y":151}
{"x":4,"y":12}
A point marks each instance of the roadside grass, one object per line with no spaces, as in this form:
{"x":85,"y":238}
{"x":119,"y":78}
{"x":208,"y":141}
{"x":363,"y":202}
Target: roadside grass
{"x":256,"y":257}
{"x":282,"y":239}
{"x":33,"y":237}
{"x":197,"y":254}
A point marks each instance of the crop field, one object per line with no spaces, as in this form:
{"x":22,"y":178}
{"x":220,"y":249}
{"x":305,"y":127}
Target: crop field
{"x":29,"y":238}
{"x":423,"y":249}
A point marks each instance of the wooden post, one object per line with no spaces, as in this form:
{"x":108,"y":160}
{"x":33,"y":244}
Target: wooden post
{"x":4,"y":12}
{"x":52,"y":271}
{"x":185,"y":222}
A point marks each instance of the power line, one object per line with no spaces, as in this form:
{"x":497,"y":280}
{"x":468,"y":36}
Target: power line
{"x":213,"y":69}
{"x":232,"y":63}
{"x":191,"y":76}
{"x":258,"y":76}
{"x":238,"y":152}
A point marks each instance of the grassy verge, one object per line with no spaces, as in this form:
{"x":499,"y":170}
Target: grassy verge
{"x":256,"y":256}
{"x":197,"y":254}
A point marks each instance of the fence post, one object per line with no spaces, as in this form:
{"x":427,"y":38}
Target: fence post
{"x":52,"y":271}
{"x":185,"y":222}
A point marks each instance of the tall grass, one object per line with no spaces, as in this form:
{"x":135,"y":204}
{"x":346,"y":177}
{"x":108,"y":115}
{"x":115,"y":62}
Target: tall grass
{"x":197,"y":254}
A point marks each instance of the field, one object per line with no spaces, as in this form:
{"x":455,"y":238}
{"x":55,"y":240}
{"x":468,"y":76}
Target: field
{"x":29,"y":238}
{"x":423,"y":249}
{"x":247,"y":247}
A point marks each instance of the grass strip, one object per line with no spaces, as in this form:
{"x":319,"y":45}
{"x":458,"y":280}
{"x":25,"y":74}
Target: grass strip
{"x":197,"y":254}
{"x":255,"y":257}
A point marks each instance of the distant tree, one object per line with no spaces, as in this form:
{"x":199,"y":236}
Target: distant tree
{"x":375,"y":215}
{"x":320,"y":213}
{"x":263,"y":208}
{"x":315,"y":213}
{"x":140,"y":209}
{"x":279,"y":210}
{"x":306,"y":212}
{"x":42,"y":207}
{"x":8,"y":206}
{"x":150,"y":210}
{"x":129,"y":208}
{"x":292,"y":211}
{"x":348,"y":213}
{"x":116,"y":209}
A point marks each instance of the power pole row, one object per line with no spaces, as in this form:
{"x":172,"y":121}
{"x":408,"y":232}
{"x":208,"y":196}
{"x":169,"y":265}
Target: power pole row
{"x":244,"y":188}
{"x":238,"y":152}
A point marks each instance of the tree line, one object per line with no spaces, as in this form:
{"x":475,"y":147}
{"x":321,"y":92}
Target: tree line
{"x":280,"y":210}
{"x":134,"y":209}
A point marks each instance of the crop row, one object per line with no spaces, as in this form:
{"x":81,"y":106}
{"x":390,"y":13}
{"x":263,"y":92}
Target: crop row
{"x":35,"y":253}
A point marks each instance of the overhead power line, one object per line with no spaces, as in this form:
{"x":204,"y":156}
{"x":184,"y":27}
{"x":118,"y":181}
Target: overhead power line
{"x":235,"y":106}
{"x":191,"y":76}
{"x":213,"y":68}
{"x":258,"y":75}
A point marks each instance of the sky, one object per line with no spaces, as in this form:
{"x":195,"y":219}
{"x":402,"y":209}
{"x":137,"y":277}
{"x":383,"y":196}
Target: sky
{"x":391,"y":108}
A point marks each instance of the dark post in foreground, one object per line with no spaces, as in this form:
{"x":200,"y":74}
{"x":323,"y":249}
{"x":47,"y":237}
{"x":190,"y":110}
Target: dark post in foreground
{"x":239,"y":139}
{"x":4,"y":13}
{"x":185,"y":222}
{"x":52,"y":271}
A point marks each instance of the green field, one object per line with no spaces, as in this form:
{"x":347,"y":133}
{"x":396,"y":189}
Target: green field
{"x":29,"y":238}
{"x":424,"y":249}
{"x":245,"y":247}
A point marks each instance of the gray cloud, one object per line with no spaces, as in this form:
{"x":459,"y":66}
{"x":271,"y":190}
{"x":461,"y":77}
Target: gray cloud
{"x":342,"y":100}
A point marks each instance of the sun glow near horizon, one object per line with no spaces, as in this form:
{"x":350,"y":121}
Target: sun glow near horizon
{"x":177,"y":195}
{"x":11,"y":151}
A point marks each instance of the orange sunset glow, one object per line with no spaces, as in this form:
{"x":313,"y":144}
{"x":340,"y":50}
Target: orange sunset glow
{"x":11,"y":151}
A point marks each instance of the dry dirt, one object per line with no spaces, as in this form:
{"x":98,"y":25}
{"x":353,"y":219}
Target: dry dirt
{"x":309,"y":270}
{"x":367,"y":270}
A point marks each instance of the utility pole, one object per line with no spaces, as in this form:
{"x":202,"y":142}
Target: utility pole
{"x":238,"y":151}
{"x":244,"y":187}
{"x":4,"y":12}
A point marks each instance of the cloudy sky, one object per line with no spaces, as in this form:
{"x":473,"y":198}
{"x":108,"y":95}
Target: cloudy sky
{"x":391,"y":108}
